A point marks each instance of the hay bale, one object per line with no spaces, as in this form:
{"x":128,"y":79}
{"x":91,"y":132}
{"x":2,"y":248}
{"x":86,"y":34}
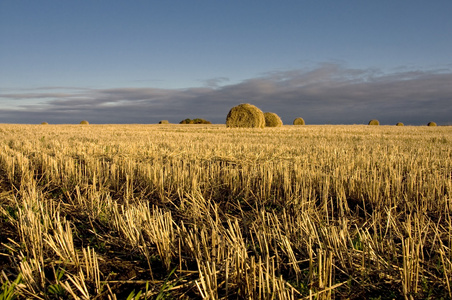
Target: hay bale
{"x":399,"y":124}
{"x":272,"y":120}
{"x":164,"y":122}
{"x":299,"y":121}
{"x":374,"y":122}
{"x":44,"y":123}
{"x":84,"y":122}
{"x":245,"y":115}
{"x":431,"y":124}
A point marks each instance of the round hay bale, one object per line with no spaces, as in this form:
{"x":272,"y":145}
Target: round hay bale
{"x":299,"y":121}
{"x":399,"y":124}
{"x":431,"y":124}
{"x":245,"y":115}
{"x":164,"y":122}
{"x":272,"y":120}
{"x":84,"y":122}
{"x":44,"y":123}
{"x":374,"y":122}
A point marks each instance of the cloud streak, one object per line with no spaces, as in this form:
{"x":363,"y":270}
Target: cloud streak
{"x":328,"y":94}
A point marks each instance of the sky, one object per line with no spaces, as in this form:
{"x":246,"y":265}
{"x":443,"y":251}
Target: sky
{"x":329,"y":62}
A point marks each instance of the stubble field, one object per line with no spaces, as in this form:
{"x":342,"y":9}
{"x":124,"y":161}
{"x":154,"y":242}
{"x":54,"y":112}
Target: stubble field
{"x":205,"y":211}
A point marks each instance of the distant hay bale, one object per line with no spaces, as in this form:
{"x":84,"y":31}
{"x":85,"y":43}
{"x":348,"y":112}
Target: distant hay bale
{"x":245,"y":115}
{"x":399,"y":124}
{"x":84,"y":122}
{"x":272,"y":120}
{"x":164,"y":122}
{"x":374,"y":122}
{"x":431,"y":124}
{"x":299,"y":121}
{"x":44,"y":123}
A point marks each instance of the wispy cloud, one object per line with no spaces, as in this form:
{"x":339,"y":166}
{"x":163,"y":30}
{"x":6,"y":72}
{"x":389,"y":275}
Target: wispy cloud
{"x":215,"y":82}
{"x":328,"y":94}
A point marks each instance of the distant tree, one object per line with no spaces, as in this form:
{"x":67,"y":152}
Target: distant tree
{"x":195,"y":121}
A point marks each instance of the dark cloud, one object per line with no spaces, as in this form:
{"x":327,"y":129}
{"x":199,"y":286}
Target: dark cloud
{"x":328,"y":94}
{"x":18,"y":96}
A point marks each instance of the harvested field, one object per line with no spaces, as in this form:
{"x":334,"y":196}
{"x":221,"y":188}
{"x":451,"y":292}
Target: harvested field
{"x":205,"y":211}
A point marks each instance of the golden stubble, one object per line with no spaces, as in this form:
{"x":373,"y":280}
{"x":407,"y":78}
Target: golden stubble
{"x":288,"y":212}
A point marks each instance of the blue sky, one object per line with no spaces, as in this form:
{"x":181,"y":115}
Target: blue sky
{"x":335,"y":62}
